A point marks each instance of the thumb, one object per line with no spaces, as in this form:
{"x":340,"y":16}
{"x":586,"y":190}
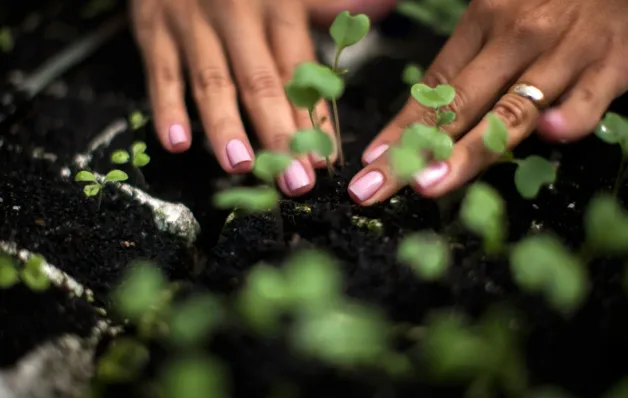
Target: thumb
{"x":323,"y":12}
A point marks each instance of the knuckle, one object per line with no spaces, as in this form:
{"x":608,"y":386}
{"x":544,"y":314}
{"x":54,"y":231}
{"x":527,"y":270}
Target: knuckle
{"x":514,"y":110}
{"x":532,"y":26}
{"x":144,"y":16}
{"x":278,"y":141}
{"x":211,"y":79}
{"x":487,"y":6}
{"x":224,"y":124}
{"x":263,"y":83}
{"x":166,"y":73}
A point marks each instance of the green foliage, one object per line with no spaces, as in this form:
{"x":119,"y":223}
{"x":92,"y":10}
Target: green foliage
{"x":193,"y":320}
{"x":313,"y":280}
{"x":439,"y":15}
{"x":33,"y":274}
{"x":312,"y":82}
{"x":8,"y":273}
{"x":483,"y":212}
{"x":194,"y":377}
{"x":137,"y":120}
{"x":138,"y":155}
{"x":405,"y":162}
{"x":250,"y":199}
{"x":312,"y":141}
{"x":532,"y":173}
{"x":269,"y":165}
{"x":411,"y":74}
{"x":541,"y":264}
{"x":445,"y":117}
{"x":95,"y":188}
{"x":426,"y":253}
{"x":437,"y":97}
{"x":120,"y":156}
{"x":496,"y":135}
{"x":613,"y":129}
{"x":606,"y":226}
{"x":347,"y":30}
{"x":6,"y":39}
{"x":123,"y":361}
{"x":419,"y":137}
{"x":139,"y":291}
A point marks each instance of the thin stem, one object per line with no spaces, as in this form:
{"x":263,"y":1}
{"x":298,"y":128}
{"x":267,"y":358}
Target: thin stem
{"x":330,"y":169}
{"x":620,"y":174}
{"x":310,"y":111}
{"x":102,"y":188}
{"x":140,"y":181}
{"x":334,"y":104}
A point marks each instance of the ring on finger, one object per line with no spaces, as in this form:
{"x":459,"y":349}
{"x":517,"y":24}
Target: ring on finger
{"x":531,"y":93}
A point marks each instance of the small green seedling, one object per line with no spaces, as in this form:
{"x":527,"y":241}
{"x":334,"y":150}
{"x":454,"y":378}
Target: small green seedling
{"x":9,"y":275}
{"x":6,"y":39}
{"x":33,"y":274}
{"x":313,"y":141}
{"x":137,"y":157}
{"x":252,"y":200}
{"x":605,"y":227}
{"x":194,"y":319}
{"x":269,"y":165}
{"x":613,"y":129}
{"x":441,"y":16}
{"x":137,"y":120}
{"x":426,"y":253}
{"x":541,"y":264}
{"x":412,"y":74}
{"x":95,"y":187}
{"x":194,"y":377}
{"x":532,"y":173}
{"x":123,"y":361}
{"x":483,"y":212}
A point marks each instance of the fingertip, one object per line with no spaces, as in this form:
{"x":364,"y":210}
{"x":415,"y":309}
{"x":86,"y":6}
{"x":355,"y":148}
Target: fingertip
{"x":237,"y":156}
{"x":373,"y":153}
{"x":298,"y":179}
{"x":365,"y":185}
{"x":553,"y":124}
{"x":177,"y":139}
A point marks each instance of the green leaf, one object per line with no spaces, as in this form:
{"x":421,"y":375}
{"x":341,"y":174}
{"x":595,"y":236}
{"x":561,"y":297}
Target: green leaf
{"x":91,"y":189}
{"x":313,"y":279}
{"x":426,"y":253}
{"x":269,"y":165}
{"x":194,"y":378}
{"x":116,"y":175}
{"x":123,"y":361}
{"x":347,"y":30}
{"x":264,"y":298}
{"x":33,"y":274}
{"x":311,"y":82}
{"x":405,"y":162}
{"x":85,"y":176}
{"x":342,"y":336}
{"x":532,"y":173}
{"x":613,"y":129}
{"x":139,"y":291}
{"x":495,"y":137}
{"x":437,"y":97}
{"x":541,"y":264}
{"x":254,"y":200}
{"x":606,"y":225}
{"x":137,"y":120}
{"x":8,"y":272}
{"x":419,"y":138}
{"x":483,"y":212}
{"x":7,"y":41}
{"x":141,"y":160}
{"x":411,"y":74}
{"x":193,"y":320}
{"x":445,"y":118}
{"x":312,"y":140}
{"x":138,"y":147}
{"x":120,"y":156}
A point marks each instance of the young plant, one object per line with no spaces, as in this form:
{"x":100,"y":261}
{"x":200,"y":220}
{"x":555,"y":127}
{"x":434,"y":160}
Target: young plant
{"x":313,"y":141}
{"x":439,"y":15}
{"x":411,"y":74}
{"x":613,"y":129}
{"x":605,"y":227}
{"x":426,"y":253}
{"x":137,"y":157}
{"x":31,"y":273}
{"x":194,"y":376}
{"x":6,"y":39}
{"x":483,"y":212}
{"x":9,"y":275}
{"x":532,"y":172}
{"x":137,"y":120}
{"x":95,"y":187}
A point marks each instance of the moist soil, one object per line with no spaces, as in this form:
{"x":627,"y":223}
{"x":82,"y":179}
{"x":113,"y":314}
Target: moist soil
{"x":45,"y":213}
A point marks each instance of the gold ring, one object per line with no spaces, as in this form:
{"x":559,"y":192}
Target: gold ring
{"x":533,"y":93}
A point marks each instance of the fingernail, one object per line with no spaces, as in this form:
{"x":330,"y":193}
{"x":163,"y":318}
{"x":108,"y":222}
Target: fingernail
{"x":296,"y":177}
{"x":366,"y":186}
{"x":371,"y":156}
{"x":316,"y":158}
{"x":176,"y":133}
{"x":554,"y":120}
{"x":237,"y":153}
{"x":432,"y":175}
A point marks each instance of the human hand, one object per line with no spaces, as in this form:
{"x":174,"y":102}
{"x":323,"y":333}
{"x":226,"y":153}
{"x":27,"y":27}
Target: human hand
{"x":574,"y":51}
{"x":262,"y":41}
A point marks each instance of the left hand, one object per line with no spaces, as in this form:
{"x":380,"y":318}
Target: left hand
{"x":574,"y":51}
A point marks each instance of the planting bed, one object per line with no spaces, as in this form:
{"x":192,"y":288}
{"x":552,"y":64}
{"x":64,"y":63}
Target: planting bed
{"x":81,"y":119}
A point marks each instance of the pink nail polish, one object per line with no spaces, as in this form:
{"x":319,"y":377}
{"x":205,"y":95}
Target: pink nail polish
{"x":237,"y":153}
{"x":367,"y":185}
{"x":432,"y":175}
{"x":553,"y":120}
{"x":296,"y":177}
{"x":371,"y":156}
{"x":177,"y":135}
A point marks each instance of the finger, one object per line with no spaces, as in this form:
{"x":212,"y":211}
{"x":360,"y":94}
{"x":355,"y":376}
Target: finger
{"x":463,"y":46}
{"x":584,"y":104}
{"x":324,"y":12}
{"x":214,"y":92}
{"x":164,"y":77}
{"x":291,"y":45}
{"x":262,"y":92}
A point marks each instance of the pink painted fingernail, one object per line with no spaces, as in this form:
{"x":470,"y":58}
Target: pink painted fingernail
{"x":371,"y":156}
{"x":296,"y":177}
{"x":367,"y":185}
{"x":432,"y":175}
{"x":553,"y":120}
{"x":177,"y":135}
{"x":237,"y":153}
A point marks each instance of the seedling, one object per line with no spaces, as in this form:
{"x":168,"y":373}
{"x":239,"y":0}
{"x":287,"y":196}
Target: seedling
{"x":95,"y":187}
{"x":6,"y":39}
{"x":532,"y":173}
{"x":123,"y":361}
{"x":483,"y":212}
{"x":194,"y":377}
{"x":426,"y":253}
{"x":440,"y":15}
{"x":137,"y":120}
{"x":192,"y":320}
{"x":137,"y":157}
{"x":613,"y":129}
{"x":313,"y":141}
{"x":412,"y":74}
{"x":605,"y":227}
{"x":33,"y":275}
{"x":8,"y":273}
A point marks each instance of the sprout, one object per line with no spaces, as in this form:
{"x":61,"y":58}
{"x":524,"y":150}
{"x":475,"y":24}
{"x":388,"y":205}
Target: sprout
{"x":613,"y":129}
{"x":269,"y":165}
{"x":437,"y":97}
{"x":96,"y":188}
{"x":253,"y":200}
{"x":33,"y":274}
{"x":405,"y":162}
{"x":123,"y":361}
{"x":139,"y":292}
{"x":8,"y":273}
{"x":441,"y":16}
{"x":606,"y":226}
{"x":6,"y":39}
{"x":137,"y":120}
{"x":194,"y":377}
{"x":426,"y":253}
{"x":411,"y":74}
{"x":347,"y":30}
{"x":312,"y":82}
{"x":138,"y":158}
{"x":194,"y":319}
{"x":532,"y":173}
{"x":541,"y":264}
{"x":483,"y":212}
{"x":313,"y":140}
{"x":420,"y":137}
{"x":313,"y":279}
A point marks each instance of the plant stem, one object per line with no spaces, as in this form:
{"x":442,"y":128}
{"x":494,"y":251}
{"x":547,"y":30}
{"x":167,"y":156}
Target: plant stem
{"x":316,"y":125}
{"x":330,"y":169}
{"x":140,"y":181}
{"x":102,"y":188}
{"x":620,"y":174}
{"x":334,"y":104}
{"x":310,"y":111}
